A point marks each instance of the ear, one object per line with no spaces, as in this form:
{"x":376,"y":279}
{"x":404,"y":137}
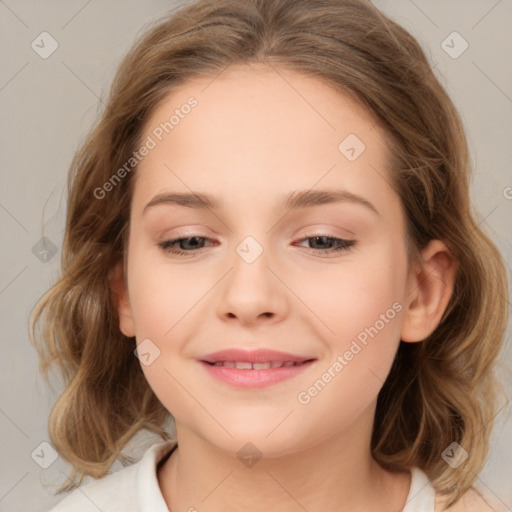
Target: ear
{"x":430,"y":288}
{"x":120,"y":298}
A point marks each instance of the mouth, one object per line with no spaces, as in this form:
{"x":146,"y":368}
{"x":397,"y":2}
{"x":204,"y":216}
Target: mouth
{"x":254,"y":369}
{"x":247,"y":365}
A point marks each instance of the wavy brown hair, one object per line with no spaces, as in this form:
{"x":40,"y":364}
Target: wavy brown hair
{"x":441,"y":390}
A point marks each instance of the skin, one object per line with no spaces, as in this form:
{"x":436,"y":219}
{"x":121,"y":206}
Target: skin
{"x":255,"y":136}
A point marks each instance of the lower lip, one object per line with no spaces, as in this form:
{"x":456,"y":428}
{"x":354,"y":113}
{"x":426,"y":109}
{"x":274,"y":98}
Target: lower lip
{"x":255,"y":378}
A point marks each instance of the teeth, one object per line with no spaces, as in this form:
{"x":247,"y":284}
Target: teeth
{"x":261,"y":366}
{"x":243,"y":365}
{"x":246,"y":365}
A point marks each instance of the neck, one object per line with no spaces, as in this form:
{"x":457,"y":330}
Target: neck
{"x":338,"y":474}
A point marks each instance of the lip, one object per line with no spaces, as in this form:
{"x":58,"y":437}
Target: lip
{"x":254,"y":378}
{"x":253,"y":356}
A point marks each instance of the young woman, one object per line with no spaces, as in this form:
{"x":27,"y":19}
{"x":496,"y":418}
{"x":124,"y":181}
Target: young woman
{"x":269,"y":240}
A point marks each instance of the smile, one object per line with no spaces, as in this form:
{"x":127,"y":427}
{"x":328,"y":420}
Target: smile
{"x":246,"y":365}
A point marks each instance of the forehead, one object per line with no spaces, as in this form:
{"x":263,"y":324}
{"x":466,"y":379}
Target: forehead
{"x":264,"y":129}
{"x":257,"y":95}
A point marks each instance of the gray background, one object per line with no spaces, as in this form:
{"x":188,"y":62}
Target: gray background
{"x":47,"y":107}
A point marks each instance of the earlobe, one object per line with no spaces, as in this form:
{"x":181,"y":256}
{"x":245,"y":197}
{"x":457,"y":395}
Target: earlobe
{"x":430,"y":288}
{"x":120,"y":298}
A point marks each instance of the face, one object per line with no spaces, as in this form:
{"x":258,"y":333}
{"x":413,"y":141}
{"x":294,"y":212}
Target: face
{"x":299,"y":248}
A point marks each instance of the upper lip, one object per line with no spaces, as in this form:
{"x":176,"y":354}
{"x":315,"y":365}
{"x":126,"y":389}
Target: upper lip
{"x":253,"y":356}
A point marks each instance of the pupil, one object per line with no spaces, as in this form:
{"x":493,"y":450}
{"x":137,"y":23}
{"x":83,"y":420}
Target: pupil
{"x":320,"y":238}
{"x":194,"y":241}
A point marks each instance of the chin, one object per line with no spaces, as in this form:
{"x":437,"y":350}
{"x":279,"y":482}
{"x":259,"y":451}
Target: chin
{"x":267,"y":438}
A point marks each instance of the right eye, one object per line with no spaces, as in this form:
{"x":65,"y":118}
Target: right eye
{"x":340,"y":244}
{"x":169,"y":246}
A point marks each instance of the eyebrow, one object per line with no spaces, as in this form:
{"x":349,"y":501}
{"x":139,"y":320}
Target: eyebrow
{"x":293,"y":201}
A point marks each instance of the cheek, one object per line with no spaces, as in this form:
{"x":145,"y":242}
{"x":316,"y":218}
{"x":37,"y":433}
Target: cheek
{"x":358,"y":293}
{"x":367,"y":322}
{"x":164,"y":298}
{"x":160,"y":305}
{"x":161,"y":293}
{"x":362,"y":305}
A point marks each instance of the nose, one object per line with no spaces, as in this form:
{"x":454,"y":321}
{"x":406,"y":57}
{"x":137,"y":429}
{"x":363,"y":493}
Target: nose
{"x":252,"y":292}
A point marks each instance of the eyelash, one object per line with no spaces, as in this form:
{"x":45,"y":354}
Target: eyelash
{"x":343,"y":245}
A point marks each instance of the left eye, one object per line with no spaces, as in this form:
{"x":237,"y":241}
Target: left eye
{"x":189,"y":245}
{"x":340,"y":244}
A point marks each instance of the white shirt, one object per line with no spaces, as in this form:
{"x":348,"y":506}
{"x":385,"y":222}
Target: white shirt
{"x":135,"y":489}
